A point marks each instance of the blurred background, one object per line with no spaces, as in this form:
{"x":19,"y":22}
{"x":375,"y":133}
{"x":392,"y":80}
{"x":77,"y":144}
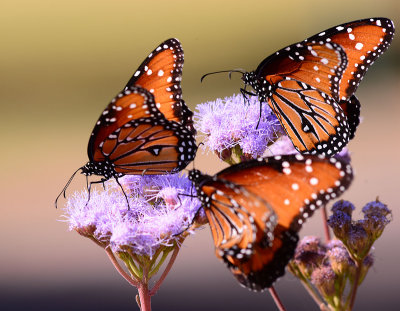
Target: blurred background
{"x":63,"y":61}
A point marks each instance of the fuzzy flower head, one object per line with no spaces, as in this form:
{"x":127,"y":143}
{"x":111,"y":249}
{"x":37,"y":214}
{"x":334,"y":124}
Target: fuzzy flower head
{"x":376,"y":217}
{"x":308,"y":255}
{"x":161,"y":209}
{"x":232,"y":122}
{"x":324,"y":279}
{"x":339,"y":258}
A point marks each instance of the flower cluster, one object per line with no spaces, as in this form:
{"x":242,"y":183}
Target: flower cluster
{"x":334,"y":270}
{"x":360,"y":235}
{"x":232,"y":127}
{"x":160,"y":209}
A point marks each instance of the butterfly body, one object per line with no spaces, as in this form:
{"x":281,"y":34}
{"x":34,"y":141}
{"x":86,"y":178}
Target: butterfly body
{"x":307,"y":83}
{"x":256,"y":208}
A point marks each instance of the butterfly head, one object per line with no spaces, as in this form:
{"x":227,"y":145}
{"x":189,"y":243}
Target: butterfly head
{"x":250,"y":78}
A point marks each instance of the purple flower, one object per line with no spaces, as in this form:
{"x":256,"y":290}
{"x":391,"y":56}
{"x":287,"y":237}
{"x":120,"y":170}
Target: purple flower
{"x":376,"y":217}
{"x":340,"y":222}
{"x":161,"y":208}
{"x":232,"y":121}
{"x":308,"y":255}
{"x":343,"y":206}
{"x":339,"y":258}
{"x":281,"y":147}
{"x":324,"y":279}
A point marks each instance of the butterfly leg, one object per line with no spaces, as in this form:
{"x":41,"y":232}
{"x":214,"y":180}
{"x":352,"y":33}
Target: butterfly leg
{"x":123,"y":191}
{"x":89,"y":186}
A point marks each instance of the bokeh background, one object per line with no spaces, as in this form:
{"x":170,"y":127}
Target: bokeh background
{"x":63,"y":61}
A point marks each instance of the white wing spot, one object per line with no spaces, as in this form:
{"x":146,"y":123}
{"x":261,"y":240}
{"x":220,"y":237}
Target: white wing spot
{"x":160,"y":73}
{"x":359,"y":46}
{"x":149,"y":72}
{"x":314,"y":181}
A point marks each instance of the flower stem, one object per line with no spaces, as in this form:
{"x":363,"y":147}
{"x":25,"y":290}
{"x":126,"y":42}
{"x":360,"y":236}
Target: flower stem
{"x":161,"y":261}
{"x":144,"y":295}
{"x":121,"y":271}
{"x":325,"y":224}
{"x":276,"y":298}
{"x":154,"y":290}
{"x":311,"y":291}
{"x":353,"y":291}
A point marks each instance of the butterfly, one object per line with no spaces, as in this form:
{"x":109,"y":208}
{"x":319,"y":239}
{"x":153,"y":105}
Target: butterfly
{"x":256,"y":208}
{"x":147,"y":128}
{"x":310,"y":85}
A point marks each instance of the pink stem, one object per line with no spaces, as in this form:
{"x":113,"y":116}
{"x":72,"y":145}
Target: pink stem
{"x":276,"y":298}
{"x":154,"y":290}
{"x":119,"y":268}
{"x":144,"y":294}
{"x":325,"y":224}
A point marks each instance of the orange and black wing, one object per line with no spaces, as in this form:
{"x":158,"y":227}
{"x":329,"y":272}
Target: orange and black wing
{"x":256,"y":208}
{"x":161,"y":74}
{"x":311,"y":118}
{"x":333,"y":61}
{"x":305,"y":78}
{"x":135,"y":137}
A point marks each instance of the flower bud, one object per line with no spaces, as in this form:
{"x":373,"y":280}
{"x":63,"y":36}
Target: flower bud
{"x":324,"y":279}
{"x":340,"y":222}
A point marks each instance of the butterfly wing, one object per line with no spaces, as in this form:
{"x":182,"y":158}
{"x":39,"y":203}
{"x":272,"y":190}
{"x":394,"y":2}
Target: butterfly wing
{"x":161,"y":74}
{"x":256,"y":208}
{"x":311,"y":118}
{"x":333,"y":61}
{"x":351,"y":109}
{"x":136,"y":138}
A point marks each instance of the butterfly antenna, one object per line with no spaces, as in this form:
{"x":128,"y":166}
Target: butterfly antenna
{"x":66,"y":186}
{"x":242,"y":71}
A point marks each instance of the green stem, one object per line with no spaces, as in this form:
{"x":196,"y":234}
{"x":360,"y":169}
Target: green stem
{"x":309,"y":288}
{"x":164,"y":256}
{"x":130,"y":264}
{"x":154,"y":290}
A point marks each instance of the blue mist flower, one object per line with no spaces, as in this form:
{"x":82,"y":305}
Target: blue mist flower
{"x":376,"y":217}
{"x":232,"y":122}
{"x":161,"y":208}
{"x":343,"y":206}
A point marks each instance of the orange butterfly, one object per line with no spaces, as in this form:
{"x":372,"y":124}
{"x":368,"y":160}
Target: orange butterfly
{"x":147,"y":128}
{"x":256,"y":208}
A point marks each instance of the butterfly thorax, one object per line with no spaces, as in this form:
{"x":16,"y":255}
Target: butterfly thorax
{"x":104,"y":168}
{"x":261,"y":86}
{"x":198,"y":179}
